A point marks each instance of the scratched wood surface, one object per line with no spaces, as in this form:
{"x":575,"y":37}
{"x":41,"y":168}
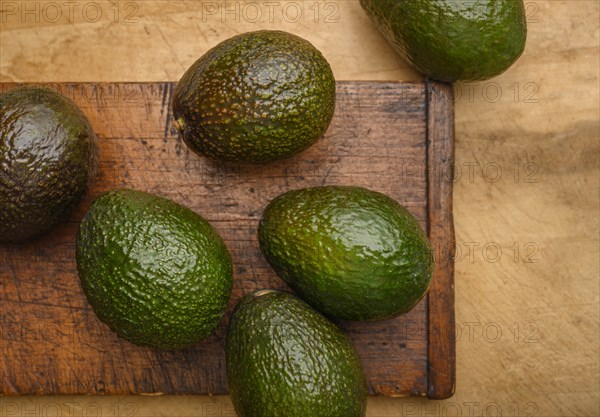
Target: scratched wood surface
{"x":390,"y":137}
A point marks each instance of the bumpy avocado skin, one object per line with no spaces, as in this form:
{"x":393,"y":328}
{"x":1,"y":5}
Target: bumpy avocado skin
{"x":352,"y":253}
{"x":451,"y":40}
{"x":285,"y":359}
{"x":48,"y":158}
{"x":255,"y":98}
{"x":154,"y":271}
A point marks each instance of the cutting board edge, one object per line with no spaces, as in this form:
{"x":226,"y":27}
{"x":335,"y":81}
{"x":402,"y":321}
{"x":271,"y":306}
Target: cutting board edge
{"x":440,"y":309}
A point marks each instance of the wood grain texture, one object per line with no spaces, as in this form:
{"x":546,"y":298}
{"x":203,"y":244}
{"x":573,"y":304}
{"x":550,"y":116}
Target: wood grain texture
{"x":383,"y":137}
{"x":440,"y":156}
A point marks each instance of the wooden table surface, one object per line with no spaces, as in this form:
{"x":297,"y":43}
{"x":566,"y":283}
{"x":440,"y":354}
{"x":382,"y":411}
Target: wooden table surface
{"x":526,"y":198}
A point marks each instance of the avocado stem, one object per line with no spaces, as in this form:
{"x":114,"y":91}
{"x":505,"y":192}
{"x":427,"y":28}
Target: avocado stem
{"x":179,"y":124}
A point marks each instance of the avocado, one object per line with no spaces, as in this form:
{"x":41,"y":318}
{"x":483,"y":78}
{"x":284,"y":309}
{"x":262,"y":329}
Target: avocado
{"x":450,"y":40}
{"x":48,"y":158}
{"x":352,"y":253}
{"x":255,"y":98}
{"x":285,"y":359}
{"x":154,"y":271}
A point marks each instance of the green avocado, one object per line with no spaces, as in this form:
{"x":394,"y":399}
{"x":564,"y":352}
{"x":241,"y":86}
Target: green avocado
{"x":352,"y":253}
{"x":285,"y":359}
{"x":450,"y":40}
{"x":48,"y":158}
{"x":255,"y":98}
{"x":154,"y":271}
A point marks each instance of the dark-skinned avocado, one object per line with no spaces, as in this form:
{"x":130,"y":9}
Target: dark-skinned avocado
{"x":154,"y":271}
{"x":48,"y":158}
{"x":350,"y":252}
{"x":285,"y":359}
{"x":255,"y":98}
{"x":450,"y":40}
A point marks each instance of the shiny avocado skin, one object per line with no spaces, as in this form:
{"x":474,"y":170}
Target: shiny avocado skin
{"x":154,"y":271}
{"x":352,"y":253}
{"x":255,"y":98}
{"x":48,"y":158}
{"x":285,"y":359}
{"x":451,"y":40}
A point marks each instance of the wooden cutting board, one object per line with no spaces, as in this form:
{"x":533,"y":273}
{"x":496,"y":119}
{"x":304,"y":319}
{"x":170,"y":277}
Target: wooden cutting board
{"x":396,"y":138}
